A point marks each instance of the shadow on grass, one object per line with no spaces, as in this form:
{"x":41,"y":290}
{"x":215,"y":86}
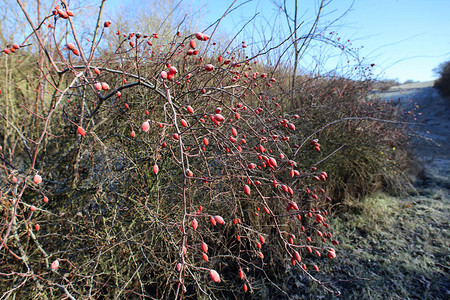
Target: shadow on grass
{"x":390,"y":248}
{"x":394,"y":248}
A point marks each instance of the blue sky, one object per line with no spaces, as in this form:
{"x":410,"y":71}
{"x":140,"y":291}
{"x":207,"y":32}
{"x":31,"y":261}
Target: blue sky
{"x":406,"y":39}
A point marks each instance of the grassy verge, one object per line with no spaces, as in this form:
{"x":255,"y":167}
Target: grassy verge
{"x":393,"y":248}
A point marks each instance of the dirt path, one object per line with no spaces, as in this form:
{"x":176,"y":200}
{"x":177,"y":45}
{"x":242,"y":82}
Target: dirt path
{"x":431,"y":140}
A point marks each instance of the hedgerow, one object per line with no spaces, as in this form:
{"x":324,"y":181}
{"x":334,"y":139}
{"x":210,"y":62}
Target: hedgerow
{"x":165,"y":170}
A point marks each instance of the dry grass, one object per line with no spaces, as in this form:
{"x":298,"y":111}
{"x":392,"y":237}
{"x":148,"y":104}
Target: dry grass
{"x":392,"y":248}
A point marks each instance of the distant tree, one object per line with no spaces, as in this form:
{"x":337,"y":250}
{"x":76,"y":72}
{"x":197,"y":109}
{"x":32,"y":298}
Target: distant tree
{"x":385,"y":84}
{"x":408,"y":81}
{"x":443,"y":83}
